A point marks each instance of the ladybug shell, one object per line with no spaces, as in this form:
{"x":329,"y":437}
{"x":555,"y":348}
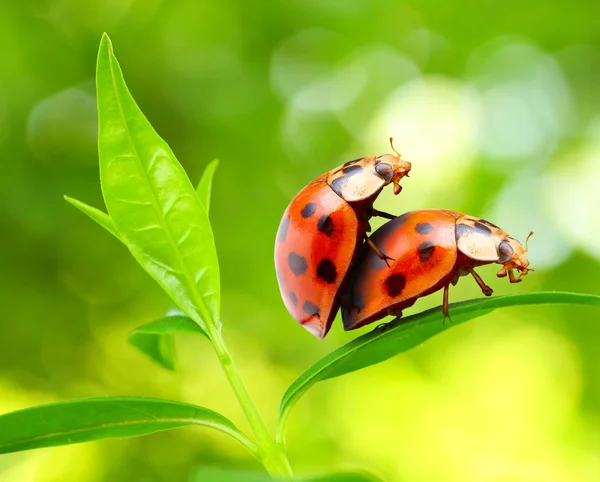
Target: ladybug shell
{"x":317,"y":240}
{"x":423,"y":247}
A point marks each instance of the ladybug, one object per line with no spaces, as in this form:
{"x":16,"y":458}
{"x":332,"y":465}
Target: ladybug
{"x":430,"y":249}
{"x":321,"y":232}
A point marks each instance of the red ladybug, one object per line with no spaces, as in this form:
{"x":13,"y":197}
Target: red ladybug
{"x":430,"y":249}
{"x":321,"y":232}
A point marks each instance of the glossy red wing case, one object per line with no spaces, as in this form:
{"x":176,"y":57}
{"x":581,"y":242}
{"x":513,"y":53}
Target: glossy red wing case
{"x":316,"y":242}
{"x":423,"y":247}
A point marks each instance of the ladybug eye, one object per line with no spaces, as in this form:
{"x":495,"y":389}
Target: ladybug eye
{"x":506,"y":251}
{"x":385,"y":171}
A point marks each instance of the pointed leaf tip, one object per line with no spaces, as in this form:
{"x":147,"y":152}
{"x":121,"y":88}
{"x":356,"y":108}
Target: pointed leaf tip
{"x":100,"y":217}
{"x":204,"y":188}
{"x":105,"y":40}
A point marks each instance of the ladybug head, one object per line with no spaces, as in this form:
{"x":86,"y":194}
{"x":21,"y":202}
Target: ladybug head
{"x":391,"y":168}
{"x":512,"y":256}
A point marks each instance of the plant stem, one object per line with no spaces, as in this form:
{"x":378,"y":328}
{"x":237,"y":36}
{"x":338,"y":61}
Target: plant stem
{"x":272,"y":455}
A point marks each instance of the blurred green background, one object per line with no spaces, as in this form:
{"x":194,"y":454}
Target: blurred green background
{"x":495,"y":103}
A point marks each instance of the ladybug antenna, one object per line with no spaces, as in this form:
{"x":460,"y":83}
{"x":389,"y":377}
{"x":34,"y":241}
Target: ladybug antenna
{"x":393,"y":149}
{"x":527,"y":242}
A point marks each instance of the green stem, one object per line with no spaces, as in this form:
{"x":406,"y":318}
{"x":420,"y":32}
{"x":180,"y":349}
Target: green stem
{"x":272,"y":455}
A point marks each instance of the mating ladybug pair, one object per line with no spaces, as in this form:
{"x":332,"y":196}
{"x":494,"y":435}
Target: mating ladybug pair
{"x":323,"y":264}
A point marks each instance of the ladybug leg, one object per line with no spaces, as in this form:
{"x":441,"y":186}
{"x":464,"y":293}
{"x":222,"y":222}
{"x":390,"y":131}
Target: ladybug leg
{"x":487,"y":291}
{"x":382,"y":327}
{"x":397,"y":314}
{"x":445,"y":305}
{"x":378,"y":252}
{"x":513,"y":279}
{"x":382,"y":214}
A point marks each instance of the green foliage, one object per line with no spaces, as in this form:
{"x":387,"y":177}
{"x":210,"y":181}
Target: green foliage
{"x":83,"y":420}
{"x":405,"y":333}
{"x":151,"y":201}
{"x":156,"y":339}
{"x":100,"y":217}
{"x":155,"y":212}
{"x":204,"y":188}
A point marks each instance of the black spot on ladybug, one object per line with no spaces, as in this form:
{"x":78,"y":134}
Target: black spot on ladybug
{"x":326,"y":270}
{"x":293,"y":298}
{"x":297,"y":263}
{"x":385,"y":170}
{"x":487,"y":223}
{"x":308,"y":210}
{"x":325,"y":225}
{"x":353,"y":161}
{"x":482,"y":228}
{"x":423,"y":228}
{"x":425,"y":250}
{"x":283,"y":229}
{"x":310,"y":309}
{"x":352,"y":170}
{"x":395,"y":284}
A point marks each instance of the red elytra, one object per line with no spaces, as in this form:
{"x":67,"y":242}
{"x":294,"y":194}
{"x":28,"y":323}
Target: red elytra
{"x":430,"y":249}
{"x":321,"y":232}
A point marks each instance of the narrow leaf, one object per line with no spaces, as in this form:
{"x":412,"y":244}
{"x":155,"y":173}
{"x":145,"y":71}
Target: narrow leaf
{"x":151,"y":200}
{"x":100,"y":217}
{"x":90,"y":419}
{"x":402,"y":334}
{"x":156,"y":339}
{"x":204,"y":188}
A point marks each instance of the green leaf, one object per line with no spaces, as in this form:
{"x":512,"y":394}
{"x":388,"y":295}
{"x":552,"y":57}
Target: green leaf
{"x":90,"y":419}
{"x":156,"y":339}
{"x":151,"y":201}
{"x":402,"y":334}
{"x":204,"y":188}
{"x":100,"y":217}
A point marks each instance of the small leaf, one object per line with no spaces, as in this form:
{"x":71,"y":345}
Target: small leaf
{"x":100,"y":217}
{"x":151,"y":201}
{"x":402,"y":334}
{"x":90,"y":419}
{"x":204,"y":188}
{"x":156,"y":339}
